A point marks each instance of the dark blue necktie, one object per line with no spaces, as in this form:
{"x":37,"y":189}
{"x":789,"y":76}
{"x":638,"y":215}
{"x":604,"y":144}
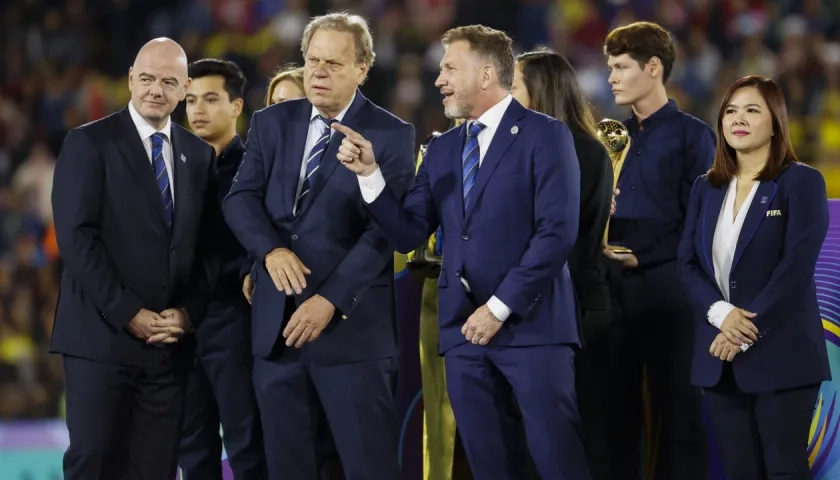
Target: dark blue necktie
{"x":162,"y":177}
{"x":313,"y":160}
{"x":469,"y":160}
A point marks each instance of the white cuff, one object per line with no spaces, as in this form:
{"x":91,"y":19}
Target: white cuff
{"x":718,"y":312}
{"x":372,"y":185}
{"x":498,"y":309}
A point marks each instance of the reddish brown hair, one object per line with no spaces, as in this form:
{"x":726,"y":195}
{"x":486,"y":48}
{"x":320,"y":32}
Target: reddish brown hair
{"x":781,"y":150}
{"x":643,"y":41}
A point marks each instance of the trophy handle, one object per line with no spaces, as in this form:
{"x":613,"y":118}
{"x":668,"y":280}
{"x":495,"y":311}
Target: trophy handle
{"x":617,"y":164}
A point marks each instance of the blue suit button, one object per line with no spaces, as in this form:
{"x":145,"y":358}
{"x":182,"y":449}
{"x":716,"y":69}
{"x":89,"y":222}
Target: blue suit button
{"x":294,"y":236}
{"x":465,"y":237}
{"x":733,"y":284}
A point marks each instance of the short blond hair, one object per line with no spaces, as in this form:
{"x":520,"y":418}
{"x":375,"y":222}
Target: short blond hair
{"x":490,"y":44}
{"x":343,"y":22}
{"x":289,"y":72}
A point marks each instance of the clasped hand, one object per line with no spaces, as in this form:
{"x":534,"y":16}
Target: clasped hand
{"x":286,"y":270}
{"x":736,"y":330}
{"x":162,"y":328}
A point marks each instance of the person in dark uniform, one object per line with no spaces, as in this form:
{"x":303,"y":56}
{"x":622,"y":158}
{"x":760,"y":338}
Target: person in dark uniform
{"x":219,"y":387}
{"x":545,"y":81}
{"x":653,"y":331}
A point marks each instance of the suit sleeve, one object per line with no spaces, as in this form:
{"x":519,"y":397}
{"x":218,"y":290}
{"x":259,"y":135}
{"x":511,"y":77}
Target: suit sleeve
{"x":77,"y":205}
{"x":244,"y":207}
{"x":207,"y":259}
{"x":699,"y":156}
{"x":556,"y":214}
{"x":373,"y":251}
{"x":699,"y":289}
{"x":407,"y":224}
{"x":805,"y":231}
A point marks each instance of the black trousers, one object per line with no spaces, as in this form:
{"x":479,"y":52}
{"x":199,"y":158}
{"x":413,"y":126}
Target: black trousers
{"x":592,"y":371}
{"x":219,"y":390}
{"x":123,"y":420}
{"x":761,"y":436}
{"x":652,"y":331}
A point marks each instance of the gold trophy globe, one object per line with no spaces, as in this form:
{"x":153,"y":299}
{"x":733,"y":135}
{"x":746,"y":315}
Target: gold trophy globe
{"x":615,"y":137}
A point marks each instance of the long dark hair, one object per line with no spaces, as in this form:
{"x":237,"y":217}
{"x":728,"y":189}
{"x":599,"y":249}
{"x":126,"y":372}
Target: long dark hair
{"x":554,"y":89}
{"x":781,"y":150}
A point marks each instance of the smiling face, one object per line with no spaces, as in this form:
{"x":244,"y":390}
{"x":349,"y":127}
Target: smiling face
{"x":747,"y":122}
{"x":158,"y":81}
{"x":459,"y":80}
{"x":630,"y":81}
{"x":331,"y":73}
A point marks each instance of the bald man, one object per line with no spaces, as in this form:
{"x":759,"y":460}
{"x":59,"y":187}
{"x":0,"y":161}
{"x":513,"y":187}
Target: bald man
{"x":134,"y":200}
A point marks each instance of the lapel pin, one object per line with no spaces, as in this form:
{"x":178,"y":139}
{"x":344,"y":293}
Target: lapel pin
{"x":183,"y":158}
{"x":763,"y":199}
{"x":514,"y":130}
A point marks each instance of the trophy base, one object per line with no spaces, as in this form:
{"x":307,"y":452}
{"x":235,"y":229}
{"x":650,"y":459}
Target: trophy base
{"x":618,"y":249}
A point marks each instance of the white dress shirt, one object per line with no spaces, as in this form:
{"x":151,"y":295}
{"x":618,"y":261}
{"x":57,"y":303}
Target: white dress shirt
{"x":723,"y":249}
{"x":146,"y":131}
{"x":316,"y":130}
{"x":372,"y":185}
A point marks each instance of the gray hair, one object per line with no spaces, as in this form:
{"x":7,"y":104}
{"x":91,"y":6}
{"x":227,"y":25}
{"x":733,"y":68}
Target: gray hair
{"x":343,"y":22}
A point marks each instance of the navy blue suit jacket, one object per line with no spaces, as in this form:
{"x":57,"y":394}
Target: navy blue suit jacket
{"x":514,"y":240}
{"x":772,"y":275}
{"x":119,"y":255}
{"x":350,"y":259}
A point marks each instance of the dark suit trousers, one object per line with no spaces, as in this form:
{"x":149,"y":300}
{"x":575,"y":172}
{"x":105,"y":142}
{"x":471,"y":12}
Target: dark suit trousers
{"x":653,"y":331}
{"x":219,"y":390}
{"x":761,"y":436}
{"x":123,"y":420}
{"x":592,"y":373}
{"x":484,"y":382}
{"x":295,"y":393}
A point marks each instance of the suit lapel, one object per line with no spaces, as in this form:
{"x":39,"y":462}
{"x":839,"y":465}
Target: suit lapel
{"x":134,"y":153}
{"x":354,"y":119}
{"x":296,"y":139}
{"x":711,"y":212}
{"x":758,"y":210}
{"x":502,"y":140}
{"x":183,"y":185}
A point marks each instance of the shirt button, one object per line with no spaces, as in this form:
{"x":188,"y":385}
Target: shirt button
{"x":294,"y":236}
{"x":732,"y":284}
{"x":465,"y":237}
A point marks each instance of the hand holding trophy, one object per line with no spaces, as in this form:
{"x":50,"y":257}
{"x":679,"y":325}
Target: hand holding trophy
{"x":615,"y":137}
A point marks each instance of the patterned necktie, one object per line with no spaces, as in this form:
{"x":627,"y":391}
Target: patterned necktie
{"x":313,"y":161}
{"x":469,"y":160}
{"x":162,"y":177}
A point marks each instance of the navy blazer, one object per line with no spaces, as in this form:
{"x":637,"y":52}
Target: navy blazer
{"x":514,"y":240}
{"x":119,"y":255}
{"x":772,"y":275}
{"x":350,"y":259}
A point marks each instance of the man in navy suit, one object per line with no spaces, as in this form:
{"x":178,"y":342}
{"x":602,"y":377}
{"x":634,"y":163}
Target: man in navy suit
{"x":219,"y":388}
{"x":324,"y":271}
{"x":134,"y":199}
{"x":505,"y":188}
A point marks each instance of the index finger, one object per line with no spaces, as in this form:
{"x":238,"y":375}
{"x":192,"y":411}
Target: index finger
{"x":347,"y":131}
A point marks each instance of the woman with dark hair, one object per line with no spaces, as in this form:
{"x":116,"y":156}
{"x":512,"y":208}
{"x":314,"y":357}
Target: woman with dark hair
{"x":754,"y":228}
{"x":544,"y":81}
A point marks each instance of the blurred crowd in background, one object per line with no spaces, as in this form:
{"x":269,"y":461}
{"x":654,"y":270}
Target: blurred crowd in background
{"x":65,"y":62}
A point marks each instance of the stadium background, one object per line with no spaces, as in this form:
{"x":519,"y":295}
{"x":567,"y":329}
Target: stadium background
{"x":63,"y":63}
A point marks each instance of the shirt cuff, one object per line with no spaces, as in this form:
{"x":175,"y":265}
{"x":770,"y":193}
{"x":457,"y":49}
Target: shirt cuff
{"x":498,"y":309}
{"x":372,"y":185}
{"x":718,"y":312}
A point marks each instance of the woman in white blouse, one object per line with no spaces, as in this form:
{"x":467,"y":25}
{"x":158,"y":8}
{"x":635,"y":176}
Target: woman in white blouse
{"x":754,"y":228}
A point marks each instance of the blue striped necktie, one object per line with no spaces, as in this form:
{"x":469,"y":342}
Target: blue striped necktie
{"x":313,"y":160}
{"x":470,"y":160}
{"x":162,"y":177}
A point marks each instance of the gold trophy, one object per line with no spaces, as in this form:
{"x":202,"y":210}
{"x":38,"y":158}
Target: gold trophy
{"x":423,"y":258}
{"x":614,"y":135}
